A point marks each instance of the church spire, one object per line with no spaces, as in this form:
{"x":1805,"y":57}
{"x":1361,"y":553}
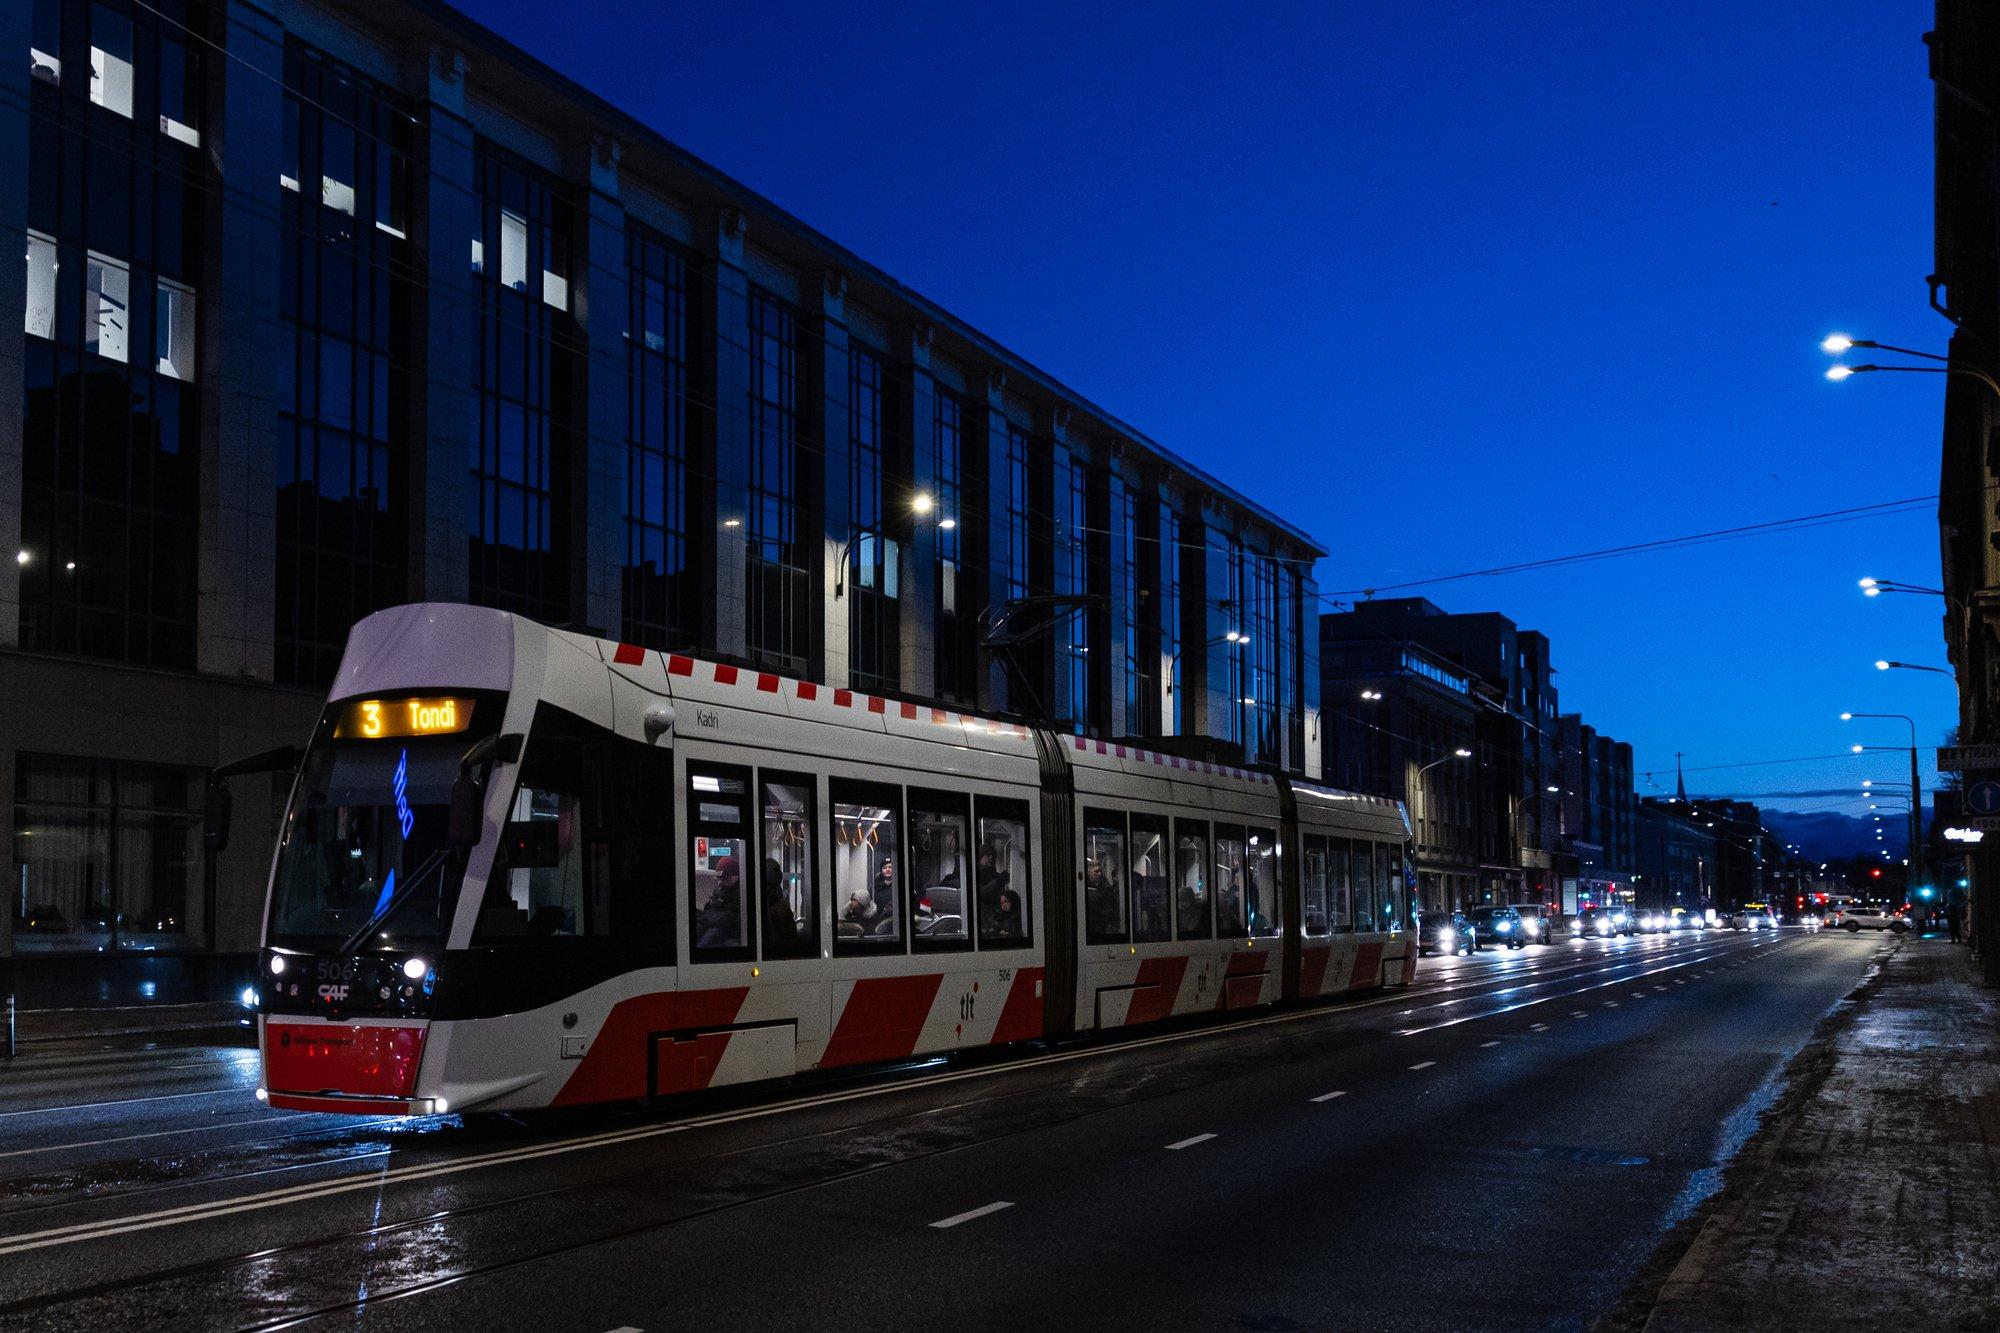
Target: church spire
{"x":1680,"y":782}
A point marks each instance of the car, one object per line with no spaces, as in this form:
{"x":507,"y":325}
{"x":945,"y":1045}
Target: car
{"x":1538,"y":920}
{"x":1854,"y":920}
{"x":1501,"y":925}
{"x":1683,"y":919}
{"x":1446,"y":932}
{"x":1751,"y":916}
{"x":1602,"y":923}
{"x":1653,"y":923}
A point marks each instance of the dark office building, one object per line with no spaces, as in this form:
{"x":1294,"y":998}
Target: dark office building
{"x":1396,"y":716}
{"x":1677,"y":852}
{"x":1596,"y":810}
{"x":1515,"y":744}
{"x":333,"y":306}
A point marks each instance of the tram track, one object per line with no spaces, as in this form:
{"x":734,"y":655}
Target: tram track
{"x":172,"y":1174}
{"x":1235,"y":1063}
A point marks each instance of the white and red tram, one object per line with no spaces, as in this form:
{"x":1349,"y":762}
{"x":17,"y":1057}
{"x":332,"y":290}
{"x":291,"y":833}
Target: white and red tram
{"x":526,"y":868}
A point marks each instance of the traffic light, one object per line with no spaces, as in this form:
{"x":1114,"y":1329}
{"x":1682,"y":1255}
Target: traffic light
{"x":1926,"y":892}
{"x":1876,"y":873}
{"x":1964,"y":883}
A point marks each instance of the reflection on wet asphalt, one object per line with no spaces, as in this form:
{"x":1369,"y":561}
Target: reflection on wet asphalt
{"x":1342,"y":1158}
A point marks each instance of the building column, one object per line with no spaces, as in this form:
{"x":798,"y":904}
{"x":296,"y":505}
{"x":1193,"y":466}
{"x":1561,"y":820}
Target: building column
{"x":917,"y":592}
{"x":237,"y":534}
{"x":444,"y":407}
{"x":836,"y":531}
{"x":729,"y":328}
{"x":602,"y":308}
{"x":15,"y":127}
{"x":999,"y":519}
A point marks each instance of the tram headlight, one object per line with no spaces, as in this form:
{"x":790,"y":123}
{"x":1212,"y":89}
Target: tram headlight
{"x":416,"y":969}
{"x":277,"y":965}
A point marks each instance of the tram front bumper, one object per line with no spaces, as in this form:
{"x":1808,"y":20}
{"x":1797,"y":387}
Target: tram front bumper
{"x":353,"y":1068}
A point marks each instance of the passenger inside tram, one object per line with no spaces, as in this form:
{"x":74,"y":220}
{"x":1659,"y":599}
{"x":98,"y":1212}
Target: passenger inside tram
{"x":864,"y":872}
{"x":1001,"y":880}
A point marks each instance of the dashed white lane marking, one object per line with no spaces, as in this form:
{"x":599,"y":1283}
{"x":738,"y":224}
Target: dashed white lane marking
{"x":1189,"y":1143}
{"x":945,"y":1223}
{"x":1577,"y":1013}
{"x":1638,"y":995}
{"x":628,"y":1329}
{"x":1680,"y":981}
{"x":1484,"y":1044}
{"x":1329,"y":1096}
{"x":1423,"y":1064}
{"x":1539,"y":1027}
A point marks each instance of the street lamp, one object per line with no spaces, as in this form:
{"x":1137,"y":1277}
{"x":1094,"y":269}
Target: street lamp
{"x":922,"y":504}
{"x":1460,"y":753}
{"x":1836,"y":343}
{"x":1884,"y":664}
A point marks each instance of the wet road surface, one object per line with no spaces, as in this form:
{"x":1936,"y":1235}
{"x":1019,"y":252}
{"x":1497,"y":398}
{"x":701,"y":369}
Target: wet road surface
{"x":1500,"y":1146}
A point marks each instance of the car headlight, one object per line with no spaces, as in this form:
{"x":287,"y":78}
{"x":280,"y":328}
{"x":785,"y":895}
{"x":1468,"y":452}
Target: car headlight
{"x":1503,"y":925}
{"x":1446,"y":935}
{"x":249,"y":997}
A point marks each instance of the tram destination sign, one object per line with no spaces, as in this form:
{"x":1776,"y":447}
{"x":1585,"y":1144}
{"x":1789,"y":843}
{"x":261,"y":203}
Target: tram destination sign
{"x":1967,"y":758}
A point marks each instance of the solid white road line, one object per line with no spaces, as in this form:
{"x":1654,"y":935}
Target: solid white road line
{"x":1423,"y":1064}
{"x":131,"y":1101}
{"x":947,"y":1222}
{"x":1329,"y":1096}
{"x":1185,"y":1143}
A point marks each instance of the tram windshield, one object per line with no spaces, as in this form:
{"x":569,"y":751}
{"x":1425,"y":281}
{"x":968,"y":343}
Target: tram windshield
{"x":365,"y":860}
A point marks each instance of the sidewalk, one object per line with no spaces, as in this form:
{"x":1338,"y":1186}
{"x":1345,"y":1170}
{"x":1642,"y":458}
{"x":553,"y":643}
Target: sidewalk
{"x":39,"y":1025}
{"x":1870,"y":1196}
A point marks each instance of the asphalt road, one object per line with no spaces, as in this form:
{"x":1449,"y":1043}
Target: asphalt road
{"x":1501,"y":1146}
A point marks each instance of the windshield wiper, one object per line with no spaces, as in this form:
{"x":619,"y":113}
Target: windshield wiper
{"x":352,"y":945}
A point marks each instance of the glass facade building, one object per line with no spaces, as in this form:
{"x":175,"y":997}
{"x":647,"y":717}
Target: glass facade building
{"x":328,"y":307}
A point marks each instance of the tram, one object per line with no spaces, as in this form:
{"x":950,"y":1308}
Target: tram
{"x":524,"y":868}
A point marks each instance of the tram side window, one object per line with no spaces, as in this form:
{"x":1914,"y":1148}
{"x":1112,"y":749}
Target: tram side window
{"x":719,"y":833}
{"x":939,"y":840}
{"x":1312,"y":884}
{"x":1231,"y":867}
{"x":1389,"y":874}
{"x":1339,"y":886}
{"x":867,"y":892}
{"x":1260,"y":883}
{"x":788,"y":911}
{"x":582,"y":856}
{"x":1191,"y":903}
{"x":1364,"y":885}
{"x":1150,"y":877}
{"x":1000,"y":874}
{"x":1104,"y":877}
{"x":1413,"y":907}
{"x":554,"y":880}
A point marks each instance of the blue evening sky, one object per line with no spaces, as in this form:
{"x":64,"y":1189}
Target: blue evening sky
{"x":1449,"y":286}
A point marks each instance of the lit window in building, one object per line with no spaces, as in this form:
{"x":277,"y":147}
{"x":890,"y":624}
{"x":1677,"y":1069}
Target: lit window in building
{"x":41,"y":285}
{"x":111,"y":61}
{"x":173,"y":328}
{"x":513,"y":251}
{"x":177,"y":84}
{"x":107,"y":314}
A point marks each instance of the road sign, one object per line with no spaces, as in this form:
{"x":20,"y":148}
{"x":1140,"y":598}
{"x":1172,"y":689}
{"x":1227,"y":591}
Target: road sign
{"x":1964,"y":758}
{"x":1982,"y":797}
